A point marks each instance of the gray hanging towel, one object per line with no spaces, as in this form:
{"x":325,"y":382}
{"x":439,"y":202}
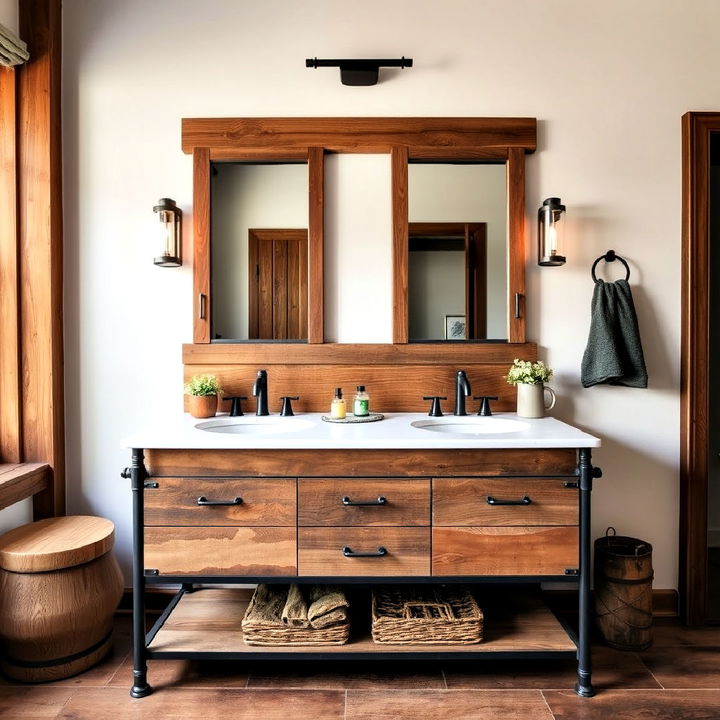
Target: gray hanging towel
{"x":614,"y":353}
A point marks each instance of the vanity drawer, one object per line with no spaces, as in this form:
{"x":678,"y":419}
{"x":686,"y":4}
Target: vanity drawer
{"x":504,"y":551}
{"x":221,"y":550}
{"x":181,"y":501}
{"x":341,"y":501}
{"x":320,"y":551}
{"x":503,"y":502}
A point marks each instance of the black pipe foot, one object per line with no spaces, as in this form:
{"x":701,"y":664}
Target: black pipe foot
{"x":140,"y":691}
{"x":584,"y":688}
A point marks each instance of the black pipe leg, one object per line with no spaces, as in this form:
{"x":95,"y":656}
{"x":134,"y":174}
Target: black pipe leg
{"x":584,"y":686}
{"x":140,"y":687}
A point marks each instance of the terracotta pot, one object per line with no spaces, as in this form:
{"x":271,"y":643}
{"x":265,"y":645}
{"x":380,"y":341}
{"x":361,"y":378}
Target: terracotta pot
{"x":202,"y":406}
{"x":531,"y":400}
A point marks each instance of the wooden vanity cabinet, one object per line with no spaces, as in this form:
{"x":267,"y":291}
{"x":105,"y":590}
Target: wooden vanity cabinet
{"x":483,"y":517}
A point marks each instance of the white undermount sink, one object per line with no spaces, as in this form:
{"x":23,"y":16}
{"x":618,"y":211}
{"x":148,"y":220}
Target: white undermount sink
{"x":254,"y":425}
{"x":471,"y":425}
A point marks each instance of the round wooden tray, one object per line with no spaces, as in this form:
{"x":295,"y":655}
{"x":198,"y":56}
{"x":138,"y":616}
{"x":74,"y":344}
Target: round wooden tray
{"x":350,"y":418}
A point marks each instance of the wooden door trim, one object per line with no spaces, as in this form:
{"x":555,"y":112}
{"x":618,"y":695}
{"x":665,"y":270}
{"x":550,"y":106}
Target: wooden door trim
{"x":695,"y":357}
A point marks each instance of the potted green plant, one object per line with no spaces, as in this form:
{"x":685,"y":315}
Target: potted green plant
{"x":529,"y":378}
{"x":202,"y":392}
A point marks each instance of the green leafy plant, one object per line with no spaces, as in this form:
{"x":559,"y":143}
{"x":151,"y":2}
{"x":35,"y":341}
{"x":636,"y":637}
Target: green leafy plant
{"x":203,"y":385}
{"x":528,"y":373}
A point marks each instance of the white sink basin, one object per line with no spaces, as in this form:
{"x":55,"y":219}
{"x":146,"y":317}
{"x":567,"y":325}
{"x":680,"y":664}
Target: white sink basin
{"x":471,"y":425}
{"x":255,"y":425}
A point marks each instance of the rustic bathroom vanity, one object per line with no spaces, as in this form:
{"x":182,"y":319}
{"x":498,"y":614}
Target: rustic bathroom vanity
{"x":236,"y":501}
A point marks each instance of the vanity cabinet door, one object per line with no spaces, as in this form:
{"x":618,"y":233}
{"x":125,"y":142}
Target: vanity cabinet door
{"x":504,"y":550}
{"x":505,"y":502}
{"x":221,"y":550}
{"x":363,"y":501}
{"x":211,"y":501}
{"x":354,"y":551}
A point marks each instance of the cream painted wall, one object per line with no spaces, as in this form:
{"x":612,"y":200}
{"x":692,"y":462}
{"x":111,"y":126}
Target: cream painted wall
{"x":9,"y":14}
{"x":608,"y":83}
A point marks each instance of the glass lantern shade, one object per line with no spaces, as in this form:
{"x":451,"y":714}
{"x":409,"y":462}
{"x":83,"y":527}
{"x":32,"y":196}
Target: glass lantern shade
{"x":551,"y":227}
{"x":169,"y":233}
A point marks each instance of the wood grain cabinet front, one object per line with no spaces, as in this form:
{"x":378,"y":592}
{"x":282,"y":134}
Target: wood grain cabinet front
{"x":212,"y":501}
{"x":270,"y":551}
{"x":362,"y":552}
{"x":363,"y":501}
{"x":510,"y":501}
{"x":504,"y":551}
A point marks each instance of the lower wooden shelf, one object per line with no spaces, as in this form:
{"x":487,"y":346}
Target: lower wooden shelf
{"x":206,"y":624}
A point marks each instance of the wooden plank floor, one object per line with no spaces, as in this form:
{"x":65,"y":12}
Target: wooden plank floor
{"x":677,"y":679}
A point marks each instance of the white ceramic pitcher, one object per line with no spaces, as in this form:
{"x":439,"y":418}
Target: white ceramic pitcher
{"x":531,"y":400}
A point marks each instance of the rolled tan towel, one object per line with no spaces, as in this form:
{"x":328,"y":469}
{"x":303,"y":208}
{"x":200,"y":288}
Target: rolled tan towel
{"x":266,"y":606}
{"x":327,"y":606}
{"x":295,"y":612}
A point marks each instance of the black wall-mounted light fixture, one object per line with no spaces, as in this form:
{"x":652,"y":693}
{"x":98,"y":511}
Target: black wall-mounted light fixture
{"x":170,"y":217}
{"x":359,"y":72}
{"x":551,"y":227}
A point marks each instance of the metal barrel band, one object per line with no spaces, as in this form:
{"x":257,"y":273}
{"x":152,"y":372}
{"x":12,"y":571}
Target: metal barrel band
{"x":58,"y":661}
{"x":628,"y":581}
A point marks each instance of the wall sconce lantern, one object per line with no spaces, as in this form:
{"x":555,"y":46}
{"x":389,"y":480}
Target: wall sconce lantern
{"x":551,"y":226}
{"x":169,"y":238}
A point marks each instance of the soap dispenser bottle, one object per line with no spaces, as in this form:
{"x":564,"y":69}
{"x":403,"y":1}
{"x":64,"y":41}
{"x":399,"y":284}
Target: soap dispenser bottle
{"x":338,"y":408}
{"x":361,"y":403}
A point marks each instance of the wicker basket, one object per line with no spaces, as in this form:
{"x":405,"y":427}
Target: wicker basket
{"x":425,"y":615}
{"x":265,"y":627}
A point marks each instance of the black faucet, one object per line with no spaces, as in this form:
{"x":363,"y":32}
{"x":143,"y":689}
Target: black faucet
{"x":260,"y":391}
{"x":462,"y":390}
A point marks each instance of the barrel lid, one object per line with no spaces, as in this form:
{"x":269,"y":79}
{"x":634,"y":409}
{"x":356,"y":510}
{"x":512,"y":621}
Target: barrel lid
{"x":56,"y":543}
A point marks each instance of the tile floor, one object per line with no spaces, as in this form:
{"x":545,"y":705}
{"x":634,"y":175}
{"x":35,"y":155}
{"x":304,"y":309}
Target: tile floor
{"x":677,"y":679}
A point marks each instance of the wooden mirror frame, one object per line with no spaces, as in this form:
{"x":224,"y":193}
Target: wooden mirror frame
{"x":308,"y":139}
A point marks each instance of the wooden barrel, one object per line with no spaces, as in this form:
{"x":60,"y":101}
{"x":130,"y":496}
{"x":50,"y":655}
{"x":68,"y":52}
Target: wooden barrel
{"x":59,"y":588}
{"x":623,"y":591}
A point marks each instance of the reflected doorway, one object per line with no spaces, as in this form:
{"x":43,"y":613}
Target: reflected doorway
{"x":278,"y":285}
{"x":447,"y":281}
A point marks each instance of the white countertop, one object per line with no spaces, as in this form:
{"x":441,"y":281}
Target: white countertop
{"x":309,"y":431}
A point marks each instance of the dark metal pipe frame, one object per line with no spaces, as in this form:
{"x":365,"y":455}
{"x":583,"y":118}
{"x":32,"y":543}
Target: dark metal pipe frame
{"x":141,"y":651}
{"x":140,"y":687}
{"x":584,"y":682}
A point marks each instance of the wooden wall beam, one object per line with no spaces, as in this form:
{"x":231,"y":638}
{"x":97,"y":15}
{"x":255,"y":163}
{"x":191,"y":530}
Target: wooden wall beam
{"x":202,"y":300}
{"x":316,"y":240}
{"x":427,"y":136}
{"x":10,"y":445}
{"x":516,"y":245}
{"x":40,"y":244}
{"x":399,"y":164}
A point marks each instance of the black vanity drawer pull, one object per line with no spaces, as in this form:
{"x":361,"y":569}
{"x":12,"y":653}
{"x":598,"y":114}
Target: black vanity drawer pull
{"x":202,"y":500}
{"x":381,"y":551}
{"x":380,"y":501}
{"x":494,"y":501}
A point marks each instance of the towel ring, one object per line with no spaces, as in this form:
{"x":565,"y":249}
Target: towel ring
{"x":610,"y":256}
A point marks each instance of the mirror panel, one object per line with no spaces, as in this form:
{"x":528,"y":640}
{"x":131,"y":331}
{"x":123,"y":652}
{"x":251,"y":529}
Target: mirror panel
{"x":259,"y":251}
{"x":458,"y":251}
